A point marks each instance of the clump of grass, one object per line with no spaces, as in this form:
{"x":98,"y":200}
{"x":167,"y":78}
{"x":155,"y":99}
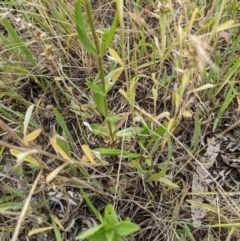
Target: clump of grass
{"x":122,"y":100}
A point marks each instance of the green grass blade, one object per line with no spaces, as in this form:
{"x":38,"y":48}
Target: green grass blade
{"x":17,"y":40}
{"x":108,"y":35}
{"x":82,"y":31}
{"x":10,"y":206}
{"x":228,"y":99}
{"x":196,"y":132}
{"x":116,"y":152}
{"x":56,"y":231}
{"x":63,"y":124}
{"x":91,"y":206}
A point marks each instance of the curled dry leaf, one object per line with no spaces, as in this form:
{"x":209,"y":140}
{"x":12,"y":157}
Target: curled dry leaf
{"x":39,"y":230}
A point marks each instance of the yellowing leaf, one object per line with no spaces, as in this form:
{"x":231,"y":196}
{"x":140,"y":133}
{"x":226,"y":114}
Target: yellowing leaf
{"x":58,"y":149}
{"x":169,"y":129}
{"x":119,"y":4}
{"x":27,"y":119}
{"x":88,"y":153}
{"x":39,"y":230}
{"x":225,"y":25}
{"x":112,"y":77}
{"x":57,"y":221}
{"x":170,"y":124}
{"x":25,"y":156}
{"x":123,"y":92}
{"x":117,"y":74}
{"x":32,"y":136}
{"x":53,"y":142}
{"x":2,"y":150}
{"x":155,"y":94}
{"x":116,"y":57}
{"x":187,"y":113}
{"x":193,"y":17}
{"x":206,"y":86}
{"x":58,"y":78}
{"x":54,"y":173}
{"x":203,"y":205}
{"x":177,"y":103}
{"x":168,"y":182}
{"x":238,"y":101}
{"x":85,"y":159}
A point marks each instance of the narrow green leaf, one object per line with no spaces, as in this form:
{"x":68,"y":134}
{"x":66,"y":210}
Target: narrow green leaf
{"x":82,"y":31}
{"x":116,"y":152}
{"x":228,"y":99}
{"x":196,"y":132}
{"x":56,"y":231}
{"x":18,"y":41}
{"x":160,"y":131}
{"x":79,"y":15}
{"x":169,"y":147}
{"x":63,"y":124}
{"x":7,"y":206}
{"x":155,"y":177}
{"x":234,"y":67}
{"x":132,"y":91}
{"x":168,"y":182}
{"x":64,"y":145}
{"x":188,"y":232}
{"x":99,"y":130}
{"x":91,"y":206}
{"x":108,"y":36}
{"x":129,"y":132}
{"x":96,"y":89}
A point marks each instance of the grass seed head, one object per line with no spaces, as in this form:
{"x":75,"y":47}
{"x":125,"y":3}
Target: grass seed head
{"x":198,"y":52}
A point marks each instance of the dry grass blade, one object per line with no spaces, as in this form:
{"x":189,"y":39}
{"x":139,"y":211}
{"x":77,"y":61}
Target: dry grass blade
{"x":25,"y":207}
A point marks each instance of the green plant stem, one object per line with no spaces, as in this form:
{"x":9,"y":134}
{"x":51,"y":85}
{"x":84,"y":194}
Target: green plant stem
{"x":100,"y":65}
